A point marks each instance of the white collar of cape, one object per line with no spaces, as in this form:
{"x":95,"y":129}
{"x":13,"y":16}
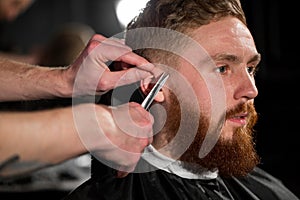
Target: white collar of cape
{"x":158,"y":160}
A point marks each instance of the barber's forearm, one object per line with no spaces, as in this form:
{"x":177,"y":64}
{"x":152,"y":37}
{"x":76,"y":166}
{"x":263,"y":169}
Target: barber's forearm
{"x":38,"y":139}
{"x":27,"y":58}
{"x":20,"y":81}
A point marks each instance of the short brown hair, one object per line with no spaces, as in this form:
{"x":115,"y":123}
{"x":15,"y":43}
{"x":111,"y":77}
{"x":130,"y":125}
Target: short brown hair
{"x":181,"y":16}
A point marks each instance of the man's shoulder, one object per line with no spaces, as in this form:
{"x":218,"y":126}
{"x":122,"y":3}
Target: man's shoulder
{"x":262,"y":182}
{"x":263,"y":176}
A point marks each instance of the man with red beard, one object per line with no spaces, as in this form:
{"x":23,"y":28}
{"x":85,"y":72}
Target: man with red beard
{"x":204,"y":116}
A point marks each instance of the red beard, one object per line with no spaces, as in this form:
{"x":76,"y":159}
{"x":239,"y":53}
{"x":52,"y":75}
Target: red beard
{"x":235,"y":157}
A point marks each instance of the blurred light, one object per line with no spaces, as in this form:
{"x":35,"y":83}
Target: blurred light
{"x":127,"y":9}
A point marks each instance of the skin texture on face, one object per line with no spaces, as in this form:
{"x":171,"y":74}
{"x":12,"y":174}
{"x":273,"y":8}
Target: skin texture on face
{"x":11,"y":9}
{"x":231,"y":47}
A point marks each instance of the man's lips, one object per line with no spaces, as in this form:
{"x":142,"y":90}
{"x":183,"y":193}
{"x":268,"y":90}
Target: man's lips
{"x":240,"y":119}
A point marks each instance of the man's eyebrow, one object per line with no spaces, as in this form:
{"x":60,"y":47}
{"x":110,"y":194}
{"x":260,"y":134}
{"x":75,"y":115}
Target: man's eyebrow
{"x":234,"y":58}
{"x":255,"y":58}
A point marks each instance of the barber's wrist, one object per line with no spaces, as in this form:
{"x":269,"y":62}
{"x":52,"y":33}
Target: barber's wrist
{"x":66,"y":124}
{"x":65,"y":82}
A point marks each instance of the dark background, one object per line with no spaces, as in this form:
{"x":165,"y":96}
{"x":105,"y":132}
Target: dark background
{"x":269,"y":21}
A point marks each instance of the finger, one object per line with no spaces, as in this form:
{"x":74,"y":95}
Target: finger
{"x":113,"y":42}
{"x":123,"y":171}
{"x":107,"y":49}
{"x":98,"y":37}
{"x":124,"y":52}
{"x":136,"y":60}
{"x":142,"y":113}
{"x":114,"y":49}
{"x":133,"y":59}
{"x":111,"y":80}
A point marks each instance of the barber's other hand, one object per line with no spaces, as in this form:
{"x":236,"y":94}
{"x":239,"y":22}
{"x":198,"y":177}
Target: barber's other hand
{"x":116,"y":136}
{"x":90,"y":72}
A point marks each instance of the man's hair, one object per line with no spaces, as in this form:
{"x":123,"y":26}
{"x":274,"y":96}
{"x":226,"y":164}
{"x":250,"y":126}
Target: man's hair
{"x":182,"y":16}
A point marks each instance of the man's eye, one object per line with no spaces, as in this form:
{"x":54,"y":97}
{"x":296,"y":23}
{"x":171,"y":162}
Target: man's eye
{"x":222,"y":69}
{"x":251,"y":70}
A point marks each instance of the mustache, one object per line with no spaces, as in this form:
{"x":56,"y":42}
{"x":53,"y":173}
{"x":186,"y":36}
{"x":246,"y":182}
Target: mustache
{"x":240,"y":108}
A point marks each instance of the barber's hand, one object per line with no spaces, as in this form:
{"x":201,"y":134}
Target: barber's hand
{"x":129,"y":134}
{"x":91,"y":73}
{"x":116,"y":136}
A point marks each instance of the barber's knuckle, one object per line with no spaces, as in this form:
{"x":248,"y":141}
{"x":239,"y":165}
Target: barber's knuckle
{"x":147,"y":119}
{"x":93,"y":43}
{"x":135,"y":105}
{"x":143,"y":143}
{"x":103,"y":84}
{"x":98,"y":37}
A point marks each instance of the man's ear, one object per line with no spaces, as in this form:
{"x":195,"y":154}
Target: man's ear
{"x":147,"y":85}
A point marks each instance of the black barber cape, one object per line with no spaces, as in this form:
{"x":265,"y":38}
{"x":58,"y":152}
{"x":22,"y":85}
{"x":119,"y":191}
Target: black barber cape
{"x":166,"y":180}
